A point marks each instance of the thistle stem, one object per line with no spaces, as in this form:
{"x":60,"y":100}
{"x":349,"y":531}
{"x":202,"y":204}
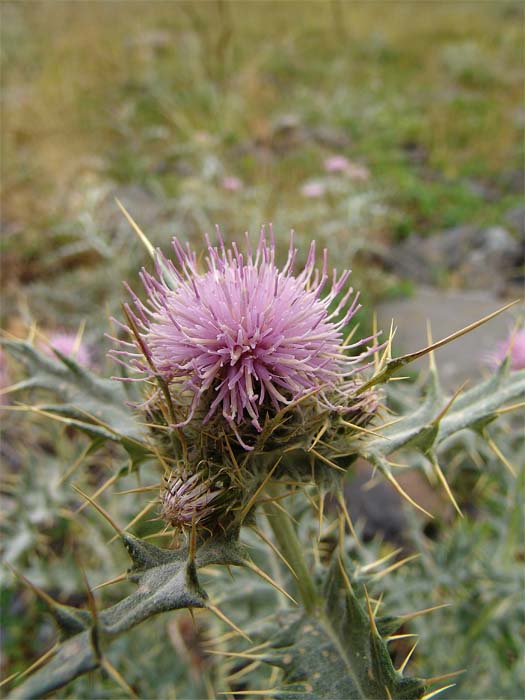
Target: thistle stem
{"x":292,"y":549}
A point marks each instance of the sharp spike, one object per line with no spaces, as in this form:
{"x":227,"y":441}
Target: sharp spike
{"x":327,"y":461}
{"x":274,"y":549}
{"x":348,"y":584}
{"x":42,"y":659}
{"x":405,"y":495}
{"x":38,"y":591}
{"x":149,"y":506}
{"x":418,"y":613}
{"x":436,"y":679}
{"x":227,"y":620}
{"x":439,"y":473}
{"x":139,"y":489}
{"x":144,"y":239}
{"x":499,"y":454}
{"x":393,"y":567}
{"x":242,"y":672}
{"x":368,"y":567}
{"x":99,"y":491}
{"x":252,"y":500}
{"x":270,"y":691}
{"x":508,"y":409}
{"x":117,"y":579}
{"x":395,"y":637}
{"x":342,"y":505}
{"x":433,"y":694}
{"x":366,"y":431}
{"x":78,"y":461}
{"x":101,"y":510}
{"x":253,"y":567}
{"x":370,"y":613}
{"x":236,"y":654}
{"x":407,"y":658}
{"x":112,"y":671}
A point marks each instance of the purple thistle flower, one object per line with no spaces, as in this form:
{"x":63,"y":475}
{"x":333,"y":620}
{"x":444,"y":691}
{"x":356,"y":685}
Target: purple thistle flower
{"x":513,"y":345}
{"x":244,"y":337}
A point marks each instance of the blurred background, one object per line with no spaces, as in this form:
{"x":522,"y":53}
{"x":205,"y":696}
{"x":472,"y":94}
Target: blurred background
{"x":391,"y":132}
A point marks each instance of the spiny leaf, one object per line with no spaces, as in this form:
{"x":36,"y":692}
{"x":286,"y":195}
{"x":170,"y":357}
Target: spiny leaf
{"x":472,"y":409}
{"x":94,"y":405}
{"x":167,"y":580}
{"x":336,"y":653}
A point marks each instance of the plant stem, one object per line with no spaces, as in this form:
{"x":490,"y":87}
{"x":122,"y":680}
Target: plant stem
{"x":292,"y":549}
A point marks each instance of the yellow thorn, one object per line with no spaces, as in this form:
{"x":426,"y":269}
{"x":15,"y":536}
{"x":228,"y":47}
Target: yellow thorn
{"x":112,"y":671}
{"x":433,"y":694}
{"x":149,"y":506}
{"x":378,"y":603}
{"x":435,"y":679}
{"x":407,"y":658}
{"x":364,"y":430}
{"x":140,"y":489}
{"x":319,"y":435}
{"x":444,"y":482}
{"x":321,"y":513}
{"x":101,"y":510}
{"x":97,"y":493}
{"x":370,"y":613}
{"x":449,"y":403}
{"x":78,"y":339}
{"x":395,"y":566}
{"x":34,"y":665}
{"x":272,"y":546}
{"x":500,"y":455}
{"x":508,"y":409}
{"x":117,"y":579}
{"x":368,"y":567}
{"x":395,"y":637}
{"x":342,"y":505}
{"x":327,"y":461}
{"x":227,"y":620}
{"x":236,"y":654}
{"x":140,"y":234}
{"x":405,"y":495}
{"x":270,"y":691}
{"x":78,"y":461}
{"x":418,"y":613}
{"x":347,"y":581}
{"x":252,"y":500}
{"x":268,"y":578}
{"x":242,"y":672}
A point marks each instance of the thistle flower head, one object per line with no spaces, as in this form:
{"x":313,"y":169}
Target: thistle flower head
{"x":242,"y":336}
{"x":188,"y":499}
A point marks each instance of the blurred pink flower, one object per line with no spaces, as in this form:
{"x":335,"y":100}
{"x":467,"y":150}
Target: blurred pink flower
{"x":336,"y":164}
{"x":313,"y":189}
{"x":231,"y":183}
{"x":341,"y":164}
{"x":513,"y":345}
{"x":67,"y":344}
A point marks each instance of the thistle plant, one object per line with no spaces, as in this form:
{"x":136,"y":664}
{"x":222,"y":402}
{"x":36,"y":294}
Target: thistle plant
{"x":243,"y":386}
